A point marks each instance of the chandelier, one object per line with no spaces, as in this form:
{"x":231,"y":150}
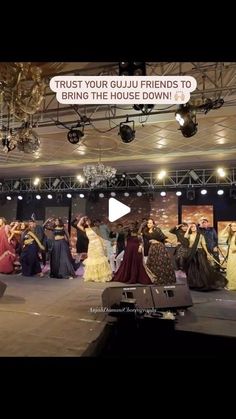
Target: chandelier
{"x":96,"y":173}
{"x":22,"y":90}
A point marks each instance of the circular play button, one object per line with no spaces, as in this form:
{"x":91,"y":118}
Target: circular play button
{"x":117,"y":209}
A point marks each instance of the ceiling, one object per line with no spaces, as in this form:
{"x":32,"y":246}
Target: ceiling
{"x":158,"y":141}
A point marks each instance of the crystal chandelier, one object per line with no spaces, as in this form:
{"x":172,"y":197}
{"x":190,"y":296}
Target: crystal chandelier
{"x":22,"y":91}
{"x":96,"y":173}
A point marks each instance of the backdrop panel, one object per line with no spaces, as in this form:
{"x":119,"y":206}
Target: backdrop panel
{"x":193,"y":213}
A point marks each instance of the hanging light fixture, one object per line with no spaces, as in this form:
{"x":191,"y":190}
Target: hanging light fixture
{"x":74,"y":135}
{"x":127,"y":132}
{"x":22,"y":90}
{"x":186,"y":117}
{"x":96,"y":173}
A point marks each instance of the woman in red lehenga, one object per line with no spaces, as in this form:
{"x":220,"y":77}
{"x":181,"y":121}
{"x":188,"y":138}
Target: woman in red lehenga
{"x":132,"y":270}
{"x":7,"y":251}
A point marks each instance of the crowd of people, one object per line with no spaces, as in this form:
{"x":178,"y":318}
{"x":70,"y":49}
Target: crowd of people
{"x":133,"y":254}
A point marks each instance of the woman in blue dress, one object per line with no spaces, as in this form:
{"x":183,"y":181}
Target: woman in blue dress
{"x":61,"y":261}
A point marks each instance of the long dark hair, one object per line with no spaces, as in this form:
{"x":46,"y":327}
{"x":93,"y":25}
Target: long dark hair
{"x":190,"y":230}
{"x":231,"y":233}
{"x":61,"y":224}
{"x":146,"y":228}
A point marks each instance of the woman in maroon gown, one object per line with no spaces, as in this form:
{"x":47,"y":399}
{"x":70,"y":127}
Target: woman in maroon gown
{"x":7,"y":251}
{"x":132,"y":270}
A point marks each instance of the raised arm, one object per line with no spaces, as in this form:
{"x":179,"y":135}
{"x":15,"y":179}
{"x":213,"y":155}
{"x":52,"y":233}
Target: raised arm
{"x":225,"y":232}
{"x":187,"y":234}
{"x":47,"y":225}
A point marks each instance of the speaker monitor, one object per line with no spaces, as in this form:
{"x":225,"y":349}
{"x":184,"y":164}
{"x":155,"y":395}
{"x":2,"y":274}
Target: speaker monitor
{"x":171,"y":296}
{"x":139,"y":294}
{"x":148,"y":297}
{"x":2,"y":288}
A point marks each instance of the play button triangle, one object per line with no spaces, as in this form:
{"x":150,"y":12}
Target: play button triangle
{"x":117,"y":209}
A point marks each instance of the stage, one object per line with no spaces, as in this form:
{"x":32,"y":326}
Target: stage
{"x":63,"y":318}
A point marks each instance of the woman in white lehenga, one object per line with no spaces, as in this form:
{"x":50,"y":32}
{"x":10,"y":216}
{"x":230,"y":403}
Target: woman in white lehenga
{"x":97,"y":267}
{"x":230,"y":234}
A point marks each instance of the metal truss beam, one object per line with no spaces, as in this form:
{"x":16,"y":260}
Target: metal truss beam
{"x":145,"y":181}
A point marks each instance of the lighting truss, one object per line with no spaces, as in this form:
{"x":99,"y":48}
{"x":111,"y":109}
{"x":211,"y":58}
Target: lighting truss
{"x":207,"y":75}
{"x":174,"y":179}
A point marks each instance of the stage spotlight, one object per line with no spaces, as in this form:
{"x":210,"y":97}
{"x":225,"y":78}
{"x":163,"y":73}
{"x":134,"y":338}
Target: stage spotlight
{"x":139,"y":69}
{"x":56,"y":182}
{"x":36,"y":181}
{"x":68,"y":195}
{"x":126,"y":194}
{"x":186,"y":118}
{"x":191,"y":194}
{"x":49,"y":196}
{"x":20,"y":197}
{"x":143,"y":108}
{"x":80,"y":178}
{"x":189,"y":129}
{"x":138,"y":108}
{"x":161,"y":175}
{"x":140,"y":179}
{"x":113,"y":194}
{"x":81,"y":195}
{"x":38,"y":197}
{"x":8,"y":197}
{"x":139,"y":193}
{"x":132,"y":68}
{"x":220,"y":192}
{"x":203,"y":191}
{"x":178,"y":193}
{"x":163,"y":193}
{"x":193,"y":175}
{"x":101,"y":195}
{"x":124,"y":68}
{"x":74,"y":136}
{"x":16,"y":184}
{"x":221,"y":172}
{"x":126,"y":132}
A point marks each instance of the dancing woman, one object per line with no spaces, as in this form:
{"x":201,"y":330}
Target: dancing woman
{"x":82,"y":239}
{"x":200,"y":274}
{"x":97,"y":267}
{"x":61,"y":262}
{"x":181,"y":250}
{"x":230,"y":234}
{"x":7,"y":250}
{"x":29,"y":256}
{"x":158,"y":261}
{"x":132,"y":270}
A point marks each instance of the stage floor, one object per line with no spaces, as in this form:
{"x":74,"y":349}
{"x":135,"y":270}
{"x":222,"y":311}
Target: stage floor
{"x":62,"y":318}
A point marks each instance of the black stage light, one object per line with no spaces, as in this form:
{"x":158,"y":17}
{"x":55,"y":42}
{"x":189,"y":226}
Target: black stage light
{"x":143,"y":108}
{"x":189,"y":129}
{"x":191,"y":194}
{"x":185,"y":115}
{"x":126,"y":132}
{"x":132,"y":68}
{"x":138,"y":108}
{"x":74,"y":136}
